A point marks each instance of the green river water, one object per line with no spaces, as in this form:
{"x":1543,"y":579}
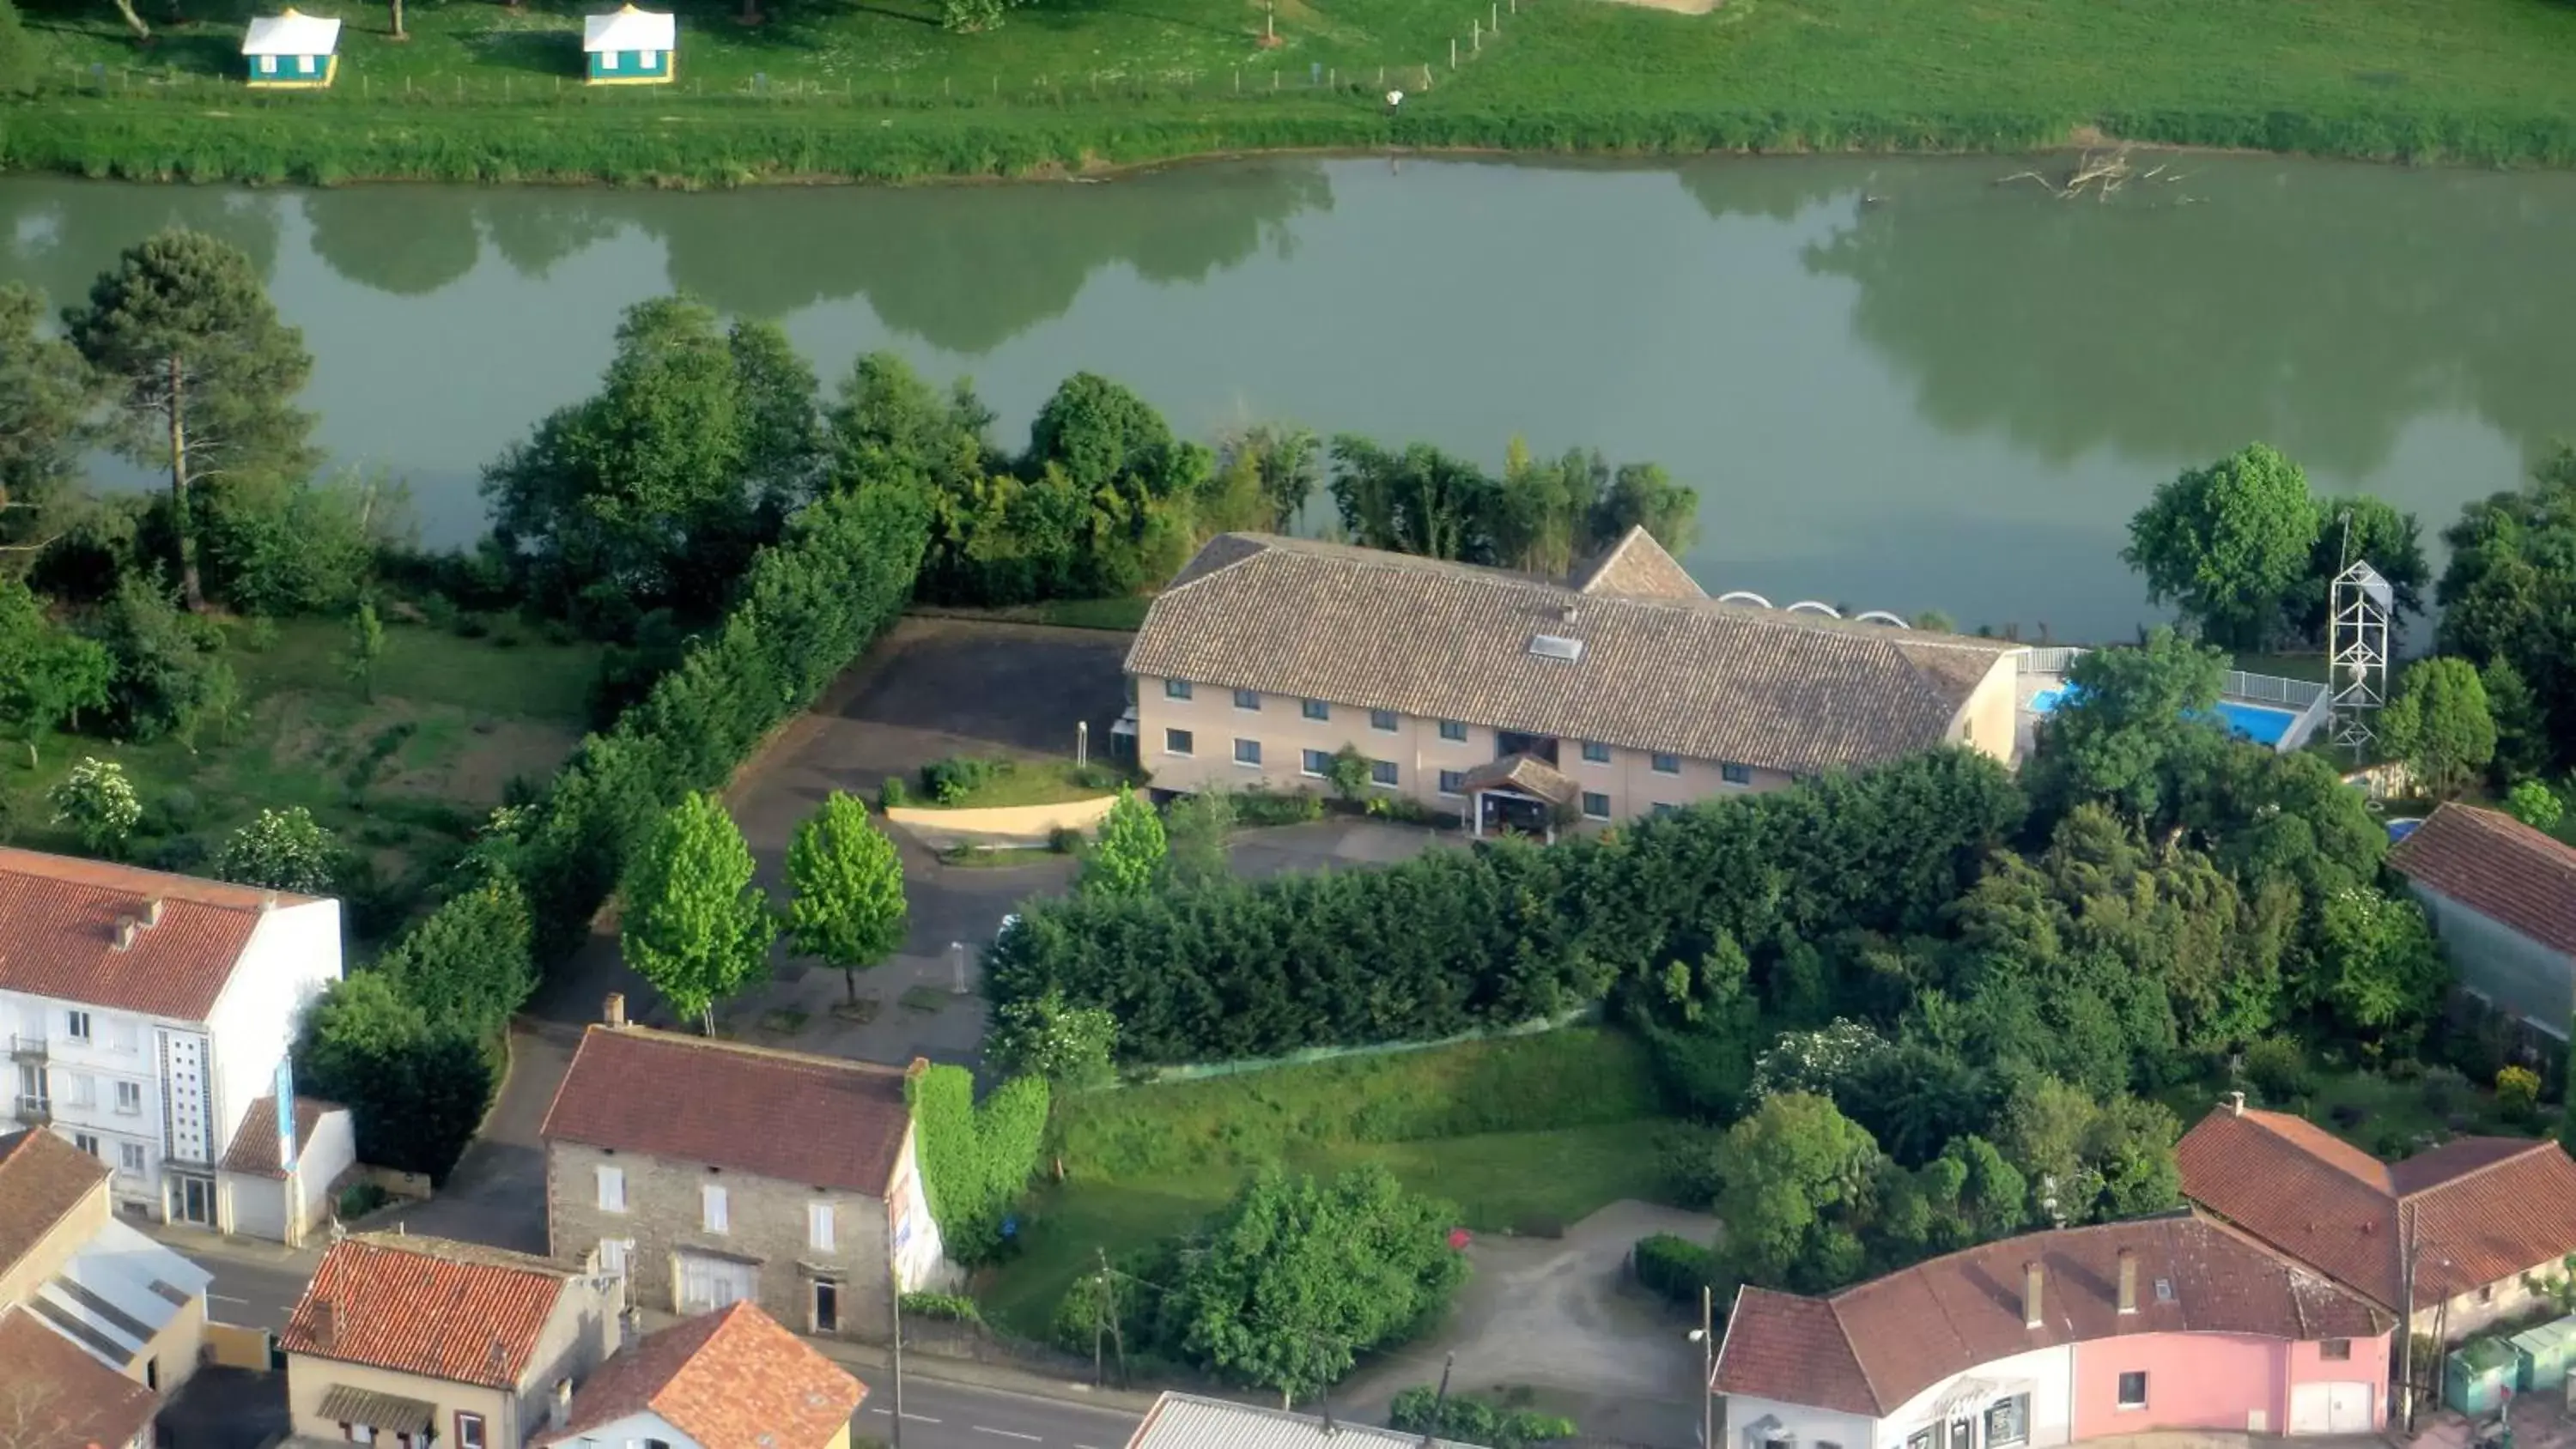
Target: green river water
{"x":1899,"y":384}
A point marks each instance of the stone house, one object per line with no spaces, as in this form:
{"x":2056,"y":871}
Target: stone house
{"x":97,"y":1322}
{"x":711,"y":1172}
{"x":1514,"y":700}
{"x":404,"y":1341}
{"x":729,"y":1379}
{"x":2502,"y":896}
{"x":2160,"y":1324}
{"x":2452,"y":1239}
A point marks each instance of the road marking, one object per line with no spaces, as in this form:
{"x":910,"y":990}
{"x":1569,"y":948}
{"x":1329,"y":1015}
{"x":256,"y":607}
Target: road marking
{"x":1005,"y":1433}
{"x":1086,"y":1446}
{"x":921,"y":1418}
{"x":219,"y":1298}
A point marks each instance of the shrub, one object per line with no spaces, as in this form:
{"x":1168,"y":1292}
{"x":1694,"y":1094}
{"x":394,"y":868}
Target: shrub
{"x":953,"y":1307}
{"x":2277,"y":1069}
{"x":98,"y":802}
{"x":1471,"y":1420}
{"x":1674,"y":1268}
{"x":947,"y":781}
{"x":892,"y":795}
{"x":1064,"y":840}
{"x":2445,"y":1090}
{"x":975,"y":1159}
{"x":359,"y":1199}
{"x":2535,"y":805}
{"x":2517,"y":1091}
{"x":1262,"y":806}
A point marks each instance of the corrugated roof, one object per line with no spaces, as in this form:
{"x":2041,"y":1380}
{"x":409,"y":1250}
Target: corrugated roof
{"x":2482,"y":1208}
{"x":42,"y":1178}
{"x":1691,"y":677}
{"x":59,"y":1397}
{"x":441,"y":1309}
{"x":730,"y":1379}
{"x":118,"y":1291}
{"x":1905,"y":1332}
{"x":825,"y":1121}
{"x":61,"y":917}
{"x":1188,"y":1421}
{"x":2497,"y":866}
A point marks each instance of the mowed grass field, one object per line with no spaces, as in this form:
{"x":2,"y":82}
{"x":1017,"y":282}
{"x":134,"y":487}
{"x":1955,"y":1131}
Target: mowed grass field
{"x":876,"y":88}
{"x":1524,"y":1135}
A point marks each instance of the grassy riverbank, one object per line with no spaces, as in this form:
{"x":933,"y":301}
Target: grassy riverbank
{"x":827,"y":88}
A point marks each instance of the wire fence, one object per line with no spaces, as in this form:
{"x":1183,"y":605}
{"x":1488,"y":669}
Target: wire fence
{"x":1065,"y":89}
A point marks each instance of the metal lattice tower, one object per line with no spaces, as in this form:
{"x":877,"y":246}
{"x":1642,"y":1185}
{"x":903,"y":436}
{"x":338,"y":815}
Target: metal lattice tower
{"x":2357,"y":653}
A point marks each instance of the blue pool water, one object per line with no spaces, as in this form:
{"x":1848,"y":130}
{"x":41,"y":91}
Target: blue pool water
{"x":2259,"y":723}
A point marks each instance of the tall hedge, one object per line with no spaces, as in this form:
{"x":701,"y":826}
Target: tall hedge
{"x":974,"y":1160}
{"x":1453,"y":941}
{"x":805,"y":609}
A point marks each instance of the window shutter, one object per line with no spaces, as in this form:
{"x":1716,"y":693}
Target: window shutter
{"x":612,"y":1189}
{"x":818,"y":1226}
{"x":714,"y":1201}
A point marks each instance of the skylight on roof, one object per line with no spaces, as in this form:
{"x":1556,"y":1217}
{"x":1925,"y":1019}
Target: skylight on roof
{"x":1555,"y":646}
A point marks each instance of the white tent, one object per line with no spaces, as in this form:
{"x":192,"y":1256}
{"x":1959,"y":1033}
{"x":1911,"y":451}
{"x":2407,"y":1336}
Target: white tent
{"x":292,"y":33}
{"x":626,"y":29}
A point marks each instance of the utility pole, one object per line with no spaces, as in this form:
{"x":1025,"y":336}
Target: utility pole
{"x":897,"y":1281}
{"x":1706,"y":1337}
{"x":1439,"y":1401}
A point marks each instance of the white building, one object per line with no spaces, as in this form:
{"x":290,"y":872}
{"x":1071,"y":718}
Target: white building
{"x":146,"y":1014}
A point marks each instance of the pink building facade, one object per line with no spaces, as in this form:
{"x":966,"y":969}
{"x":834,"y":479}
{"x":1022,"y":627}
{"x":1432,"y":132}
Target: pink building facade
{"x":2230,"y":1381}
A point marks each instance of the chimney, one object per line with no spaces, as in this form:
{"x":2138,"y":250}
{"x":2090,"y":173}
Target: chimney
{"x":2030,"y":1280}
{"x":613,"y":1011}
{"x":151,"y":913}
{"x":2128,"y":1280}
{"x":562,"y":1414}
{"x":1571,"y":613}
{"x":2236,"y":1104}
{"x":326,"y":1332}
{"x":126,"y":926}
{"x":268,"y":903}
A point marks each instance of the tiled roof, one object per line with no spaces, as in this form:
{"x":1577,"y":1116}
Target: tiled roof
{"x":1691,"y":677}
{"x":1905,"y":1332}
{"x":819,"y":1120}
{"x":54,"y":1396}
{"x":2497,"y":866}
{"x":730,"y":1379}
{"x":59,"y":923}
{"x":2481,"y":1208}
{"x":254,"y":1149}
{"x":1638,"y":567}
{"x":459,"y":1312}
{"x":1187,"y":1421}
{"x":42,"y":1177}
{"x":1526,"y":773}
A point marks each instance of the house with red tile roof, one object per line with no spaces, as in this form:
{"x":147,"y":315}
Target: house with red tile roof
{"x":403,"y":1340}
{"x":2502,"y":896}
{"x":2445,"y":1237}
{"x":97,"y":1322}
{"x":148,"y":1014}
{"x":713,"y":1172}
{"x":727,"y":1379}
{"x":2167,"y":1323}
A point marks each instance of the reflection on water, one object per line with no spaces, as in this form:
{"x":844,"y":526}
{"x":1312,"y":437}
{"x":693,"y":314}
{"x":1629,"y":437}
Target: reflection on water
{"x":1896,"y":384}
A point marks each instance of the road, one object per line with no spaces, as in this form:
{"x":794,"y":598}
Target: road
{"x":255,"y":1295}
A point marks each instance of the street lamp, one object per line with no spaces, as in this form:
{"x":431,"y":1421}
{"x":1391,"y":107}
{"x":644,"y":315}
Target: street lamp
{"x":1706,"y":1337}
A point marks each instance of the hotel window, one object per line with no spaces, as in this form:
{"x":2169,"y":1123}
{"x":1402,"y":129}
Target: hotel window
{"x":1247,"y":752}
{"x":2133,"y":1390}
{"x":1176,"y":689}
{"x":1177,"y":742}
{"x":2336,"y":1349}
{"x":83,"y":1090}
{"x":76,"y":1025}
{"x":1667,"y":764}
{"x":1248,"y":699}
{"x":129,"y":1098}
{"x":129,"y":1158}
{"x":1453,"y":782}
{"x":469,"y":1430}
{"x":1382,"y":720}
{"x":1736,"y":774}
{"x":1596,"y":806}
{"x":612,"y":1189}
{"x":1318,"y":709}
{"x":818,"y":1226}
{"x":1382,"y":772}
{"x":2008,"y":1422}
{"x":714,"y":1212}
{"x":1317,"y":763}
{"x":1595,"y":753}
{"x":1453,"y":729}
{"x":86,"y":1142}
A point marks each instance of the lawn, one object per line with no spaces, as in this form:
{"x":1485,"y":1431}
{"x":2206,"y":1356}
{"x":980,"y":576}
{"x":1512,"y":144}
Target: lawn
{"x":1029,"y":782}
{"x":1526,"y":1135}
{"x":829,"y":87}
{"x":405,"y":778}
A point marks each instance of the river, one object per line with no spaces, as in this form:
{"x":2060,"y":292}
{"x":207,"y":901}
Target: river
{"x":1896,"y":384}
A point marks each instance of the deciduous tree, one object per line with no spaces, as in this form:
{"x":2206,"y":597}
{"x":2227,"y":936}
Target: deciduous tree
{"x":2509,"y":592}
{"x":1797,"y":1185}
{"x":2439,"y":725}
{"x":694,"y":925}
{"x":46,"y":395}
{"x":1128,"y":857}
{"x":2227,"y":544}
{"x":846,"y":882}
{"x":366,"y":646}
{"x":47,"y":673}
{"x":1071,"y":1046}
{"x":286,"y":850}
{"x":202,"y":372}
{"x":472,"y":956}
{"x":98,"y":802}
{"x":2131,"y":720}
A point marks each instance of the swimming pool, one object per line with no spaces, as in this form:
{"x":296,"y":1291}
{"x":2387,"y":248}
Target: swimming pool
{"x":2262,"y":724}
